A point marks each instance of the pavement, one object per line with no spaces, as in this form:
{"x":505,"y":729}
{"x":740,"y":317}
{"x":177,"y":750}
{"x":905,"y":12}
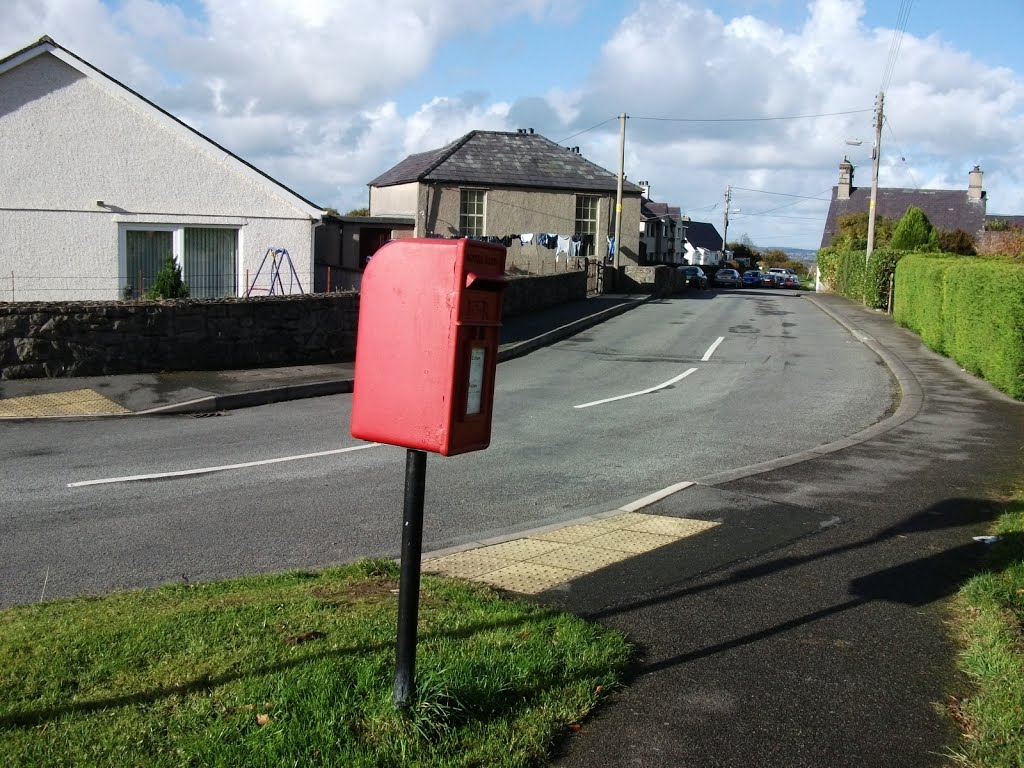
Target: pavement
{"x":794,"y":612}
{"x":211,"y":391}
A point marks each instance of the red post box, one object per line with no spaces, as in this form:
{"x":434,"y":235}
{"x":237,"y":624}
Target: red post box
{"x":427,"y":345}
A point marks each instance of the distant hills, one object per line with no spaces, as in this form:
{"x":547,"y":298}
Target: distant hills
{"x":798,"y":254}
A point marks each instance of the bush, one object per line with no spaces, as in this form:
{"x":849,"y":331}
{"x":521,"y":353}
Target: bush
{"x":914,"y":232}
{"x":969,"y":309}
{"x":957,"y":241}
{"x":848,"y":273}
{"x":168,"y":283}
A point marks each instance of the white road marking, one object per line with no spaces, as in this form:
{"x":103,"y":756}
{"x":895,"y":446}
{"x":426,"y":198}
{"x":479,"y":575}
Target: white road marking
{"x":711,"y":349}
{"x":641,"y":392}
{"x":206,"y":470}
{"x":633,"y":506}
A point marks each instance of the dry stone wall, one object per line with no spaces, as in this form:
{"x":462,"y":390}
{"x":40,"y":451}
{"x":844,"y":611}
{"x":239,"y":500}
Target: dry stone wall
{"x":52,"y":339}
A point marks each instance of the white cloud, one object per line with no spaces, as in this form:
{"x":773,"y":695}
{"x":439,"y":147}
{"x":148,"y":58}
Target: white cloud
{"x":310,"y":93}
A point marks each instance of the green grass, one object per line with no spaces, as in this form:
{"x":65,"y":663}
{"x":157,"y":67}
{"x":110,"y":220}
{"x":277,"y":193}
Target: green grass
{"x":990,"y":617}
{"x":294,"y":669}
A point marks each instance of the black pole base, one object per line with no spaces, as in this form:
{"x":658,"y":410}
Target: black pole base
{"x":409,"y":585}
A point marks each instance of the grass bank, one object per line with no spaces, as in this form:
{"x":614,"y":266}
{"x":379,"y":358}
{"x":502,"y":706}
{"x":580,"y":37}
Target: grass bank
{"x":990,"y":617}
{"x":294,"y":669}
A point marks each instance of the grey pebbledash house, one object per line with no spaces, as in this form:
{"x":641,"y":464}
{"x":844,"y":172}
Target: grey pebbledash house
{"x":506,"y":185}
{"x":947,"y":209}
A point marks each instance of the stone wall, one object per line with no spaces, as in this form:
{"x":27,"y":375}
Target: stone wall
{"x":659,"y":280}
{"x":51,"y":339}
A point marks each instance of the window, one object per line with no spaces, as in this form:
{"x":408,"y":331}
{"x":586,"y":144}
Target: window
{"x":471,"y":212}
{"x":586,"y":222}
{"x":208,"y":256}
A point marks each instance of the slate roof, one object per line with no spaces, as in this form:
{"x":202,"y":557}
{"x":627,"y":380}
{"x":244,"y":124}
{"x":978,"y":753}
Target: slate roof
{"x":1013,"y":220}
{"x":702,"y":234}
{"x":945,"y":208}
{"x":652,"y":210}
{"x":505,"y":159}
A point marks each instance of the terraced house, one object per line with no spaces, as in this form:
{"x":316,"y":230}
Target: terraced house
{"x":545,"y":202}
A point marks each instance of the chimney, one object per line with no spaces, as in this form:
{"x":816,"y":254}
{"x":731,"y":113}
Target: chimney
{"x":645,"y":187}
{"x":845,"y":179}
{"x":974,"y":191}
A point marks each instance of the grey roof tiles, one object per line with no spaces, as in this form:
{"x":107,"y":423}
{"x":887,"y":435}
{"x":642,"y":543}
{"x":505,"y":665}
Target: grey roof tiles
{"x":497,"y":158}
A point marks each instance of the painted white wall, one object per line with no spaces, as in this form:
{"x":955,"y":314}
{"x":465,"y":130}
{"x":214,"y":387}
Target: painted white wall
{"x":69,"y":141}
{"x":396,"y":200}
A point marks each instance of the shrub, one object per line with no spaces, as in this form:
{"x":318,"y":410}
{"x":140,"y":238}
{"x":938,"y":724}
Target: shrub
{"x":168,"y":283}
{"x":971,"y":310}
{"x":914,"y":232}
{"x":847,"y":272}
{"x":956,"y":241}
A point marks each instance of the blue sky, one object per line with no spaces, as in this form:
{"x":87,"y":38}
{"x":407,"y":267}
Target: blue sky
{"x":327,"y":94}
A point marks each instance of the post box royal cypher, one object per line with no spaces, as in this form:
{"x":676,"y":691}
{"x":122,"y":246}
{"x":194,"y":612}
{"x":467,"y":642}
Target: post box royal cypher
{"x":427,"y":345}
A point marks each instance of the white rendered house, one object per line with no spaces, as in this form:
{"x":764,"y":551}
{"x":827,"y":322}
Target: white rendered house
{"x":98,"y":186}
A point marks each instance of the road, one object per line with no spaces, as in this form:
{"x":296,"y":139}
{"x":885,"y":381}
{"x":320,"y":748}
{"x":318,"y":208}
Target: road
{"x":673,"y":390}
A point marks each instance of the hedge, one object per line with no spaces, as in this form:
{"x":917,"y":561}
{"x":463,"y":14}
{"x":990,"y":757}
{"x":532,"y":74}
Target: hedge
{"x":968,"y":308}
{"x":849,"y":273}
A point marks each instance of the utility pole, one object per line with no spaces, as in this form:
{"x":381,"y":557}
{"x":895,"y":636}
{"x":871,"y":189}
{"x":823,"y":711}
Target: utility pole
{"x":876,"y":152}
{"x":725,"y":223}
{"x":618,"y":192}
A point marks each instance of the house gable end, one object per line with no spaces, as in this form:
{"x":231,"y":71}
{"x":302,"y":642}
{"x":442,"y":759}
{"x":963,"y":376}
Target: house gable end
{"x":149,"y":111}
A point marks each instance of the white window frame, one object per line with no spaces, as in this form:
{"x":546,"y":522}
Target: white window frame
{"x":483,"y":213}
{"x":177,"y":247}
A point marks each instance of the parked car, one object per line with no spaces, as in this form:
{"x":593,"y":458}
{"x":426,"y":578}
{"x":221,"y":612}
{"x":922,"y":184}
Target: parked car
{"x":751,"y":278}
{"x":782,"y":271}
{"x":728,"y":277}
{"x":694,"y":277}
{"x":770,"y":280}
{"x":790,"y":281}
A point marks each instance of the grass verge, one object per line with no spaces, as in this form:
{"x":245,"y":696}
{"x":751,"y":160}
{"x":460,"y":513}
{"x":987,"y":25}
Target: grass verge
{"x":294,"y":669}
{"x":990,"y":611}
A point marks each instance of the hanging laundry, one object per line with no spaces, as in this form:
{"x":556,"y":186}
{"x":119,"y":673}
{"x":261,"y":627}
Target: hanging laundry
{"x":526,"y":238}
{"x":574,"y":247}
{"x":552,"y":242}
{"x":563,"y":245}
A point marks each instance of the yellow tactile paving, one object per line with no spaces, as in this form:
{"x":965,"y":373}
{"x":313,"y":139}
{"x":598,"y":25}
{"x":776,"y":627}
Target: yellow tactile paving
{"x":670,"y":526}
{"x":571,"y":534}
{"x":77,"y":402}
{"x":631,"y":541}
{"x":580,"y":557}
{"x":529,"y":578}
{"x":621,"y":521}
{"x":549,"y":558}
{"x":520,"y":549}
{"x":467,"y":565}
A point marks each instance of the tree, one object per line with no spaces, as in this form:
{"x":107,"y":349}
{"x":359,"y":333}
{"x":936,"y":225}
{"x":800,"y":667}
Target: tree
{"x":359,"y":212}
{"x":914,"y":231}
{"x":744,"y":250}
{"x":852,"y":232}
{"x":168,"y":283}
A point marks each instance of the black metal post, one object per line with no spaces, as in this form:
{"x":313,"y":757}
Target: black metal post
{"x":409,"y":586}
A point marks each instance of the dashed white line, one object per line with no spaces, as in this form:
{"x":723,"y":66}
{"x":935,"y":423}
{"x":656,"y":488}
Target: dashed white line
{"x":206,"y":470}
{"x":668,"y":383}
{"x":711,"y":349}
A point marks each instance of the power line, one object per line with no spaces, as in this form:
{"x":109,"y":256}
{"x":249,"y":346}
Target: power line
{"x":787,"y":205}
{"x":903,"y":156}
{"x":715,"y":120}
{"x":747,"y":119}
{"x":784,"y":194}
{"x":897,"y":42}
{"x":585,"y":130}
